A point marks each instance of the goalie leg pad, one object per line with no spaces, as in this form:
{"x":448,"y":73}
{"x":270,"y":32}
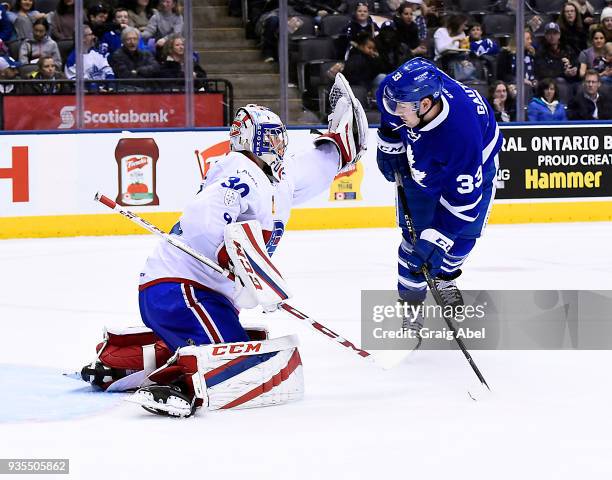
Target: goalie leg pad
{"x":125,"y":358}
{"x":237,"y":375}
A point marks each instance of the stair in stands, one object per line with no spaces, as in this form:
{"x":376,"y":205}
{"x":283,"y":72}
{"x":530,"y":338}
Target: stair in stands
{"x":226,"y":53}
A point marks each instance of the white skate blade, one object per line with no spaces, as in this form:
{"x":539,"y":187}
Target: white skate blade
{"x":176,"y":407}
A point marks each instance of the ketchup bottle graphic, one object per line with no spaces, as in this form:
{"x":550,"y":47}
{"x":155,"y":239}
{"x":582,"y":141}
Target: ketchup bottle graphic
{"x":136,"y":164}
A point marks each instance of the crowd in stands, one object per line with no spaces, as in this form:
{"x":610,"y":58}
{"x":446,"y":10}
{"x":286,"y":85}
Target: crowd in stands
{"x":139,"y":42}
{"x":567,"y":53}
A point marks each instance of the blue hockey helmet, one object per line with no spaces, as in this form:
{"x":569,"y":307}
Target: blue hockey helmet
{"x":411,"y":83}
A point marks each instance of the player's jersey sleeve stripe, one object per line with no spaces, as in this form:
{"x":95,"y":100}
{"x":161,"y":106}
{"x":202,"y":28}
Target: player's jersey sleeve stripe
{"x":486,"y":153}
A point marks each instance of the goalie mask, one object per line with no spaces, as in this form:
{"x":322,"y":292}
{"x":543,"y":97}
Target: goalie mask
{"x":259,"y":130}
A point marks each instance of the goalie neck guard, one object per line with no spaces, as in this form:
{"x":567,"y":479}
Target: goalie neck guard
{"x":259,"y":130}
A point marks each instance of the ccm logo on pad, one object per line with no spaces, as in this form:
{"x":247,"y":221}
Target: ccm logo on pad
{"x":236,"y":348}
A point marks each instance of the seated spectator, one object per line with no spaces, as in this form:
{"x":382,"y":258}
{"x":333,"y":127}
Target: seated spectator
{"x":362,"y":66}
{"x":6,"y":26}
{"x":390,"y":54}
{"x":586,"y":10}
{"x":165,"y":21}
{"x":129,"y":62}
{"x":573,"y":33}
{"x":408,"y":32}
{"x":605,"y":23}
{"x":47,"y":70}
{"x":545,"y":105}
{"x":450,"y":39}
{"x":554,"y":61}
{"x":479,"y":45}
{"x":31,"y":50}
{"x":101,"y":25}
{"x":139,"y":13}
{"x":111,"y":40}
{"x":592,"y":55}
{"x":23,"y":18}
{"x":95,"y":65}
{"x":173,"y":65}
{"x":506,"y":64}
{"x":9,"y":70}
{"x":62,"y":21}
{"x":590,"y":104}
{"x":503,"y":106}
{"x":360,"y":22}
{"x":419,"y":12}
{"x":604,"y":68}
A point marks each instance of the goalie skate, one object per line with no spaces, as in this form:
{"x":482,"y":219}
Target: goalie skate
{"x":164,"y":400}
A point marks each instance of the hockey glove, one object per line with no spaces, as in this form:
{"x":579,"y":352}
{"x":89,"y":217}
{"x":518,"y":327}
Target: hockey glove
{"x":429,"y":251}
{"x":391,"y":155}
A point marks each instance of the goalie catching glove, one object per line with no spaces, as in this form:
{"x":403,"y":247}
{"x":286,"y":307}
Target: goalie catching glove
{"x":348,"y":124}
{"x":258,"y":282}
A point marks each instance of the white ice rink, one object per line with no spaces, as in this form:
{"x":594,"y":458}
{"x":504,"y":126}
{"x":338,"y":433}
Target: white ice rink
{"x":548,"y":418}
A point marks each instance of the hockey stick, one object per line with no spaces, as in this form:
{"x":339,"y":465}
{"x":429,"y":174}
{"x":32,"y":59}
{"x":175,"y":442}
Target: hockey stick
{"x":227,"y":273}
{"x":430,"y":282}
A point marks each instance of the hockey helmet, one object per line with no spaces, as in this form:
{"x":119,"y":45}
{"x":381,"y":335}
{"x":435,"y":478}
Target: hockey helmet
{"x":411,"y":83}
{"x":259,"y":130}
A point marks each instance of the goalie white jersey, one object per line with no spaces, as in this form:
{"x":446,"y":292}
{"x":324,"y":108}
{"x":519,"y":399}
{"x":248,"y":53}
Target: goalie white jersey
{"x":234,"y":190}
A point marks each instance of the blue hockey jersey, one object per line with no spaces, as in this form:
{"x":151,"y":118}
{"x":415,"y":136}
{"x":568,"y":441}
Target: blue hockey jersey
{"x":453,"y":159}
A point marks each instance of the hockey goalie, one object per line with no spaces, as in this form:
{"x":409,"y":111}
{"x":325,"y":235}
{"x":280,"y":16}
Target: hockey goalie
{"x":194,"y":352}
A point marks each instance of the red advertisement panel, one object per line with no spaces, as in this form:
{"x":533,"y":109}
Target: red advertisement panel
{"x":57,"y":112}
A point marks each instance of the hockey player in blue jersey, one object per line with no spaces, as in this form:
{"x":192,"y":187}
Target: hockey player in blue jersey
{"x":442,"y":139}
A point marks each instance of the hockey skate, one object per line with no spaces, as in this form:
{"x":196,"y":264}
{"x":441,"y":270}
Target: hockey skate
{"x":164,"y":400}
{"x":412,"y":323}
{"x":451,"y":295}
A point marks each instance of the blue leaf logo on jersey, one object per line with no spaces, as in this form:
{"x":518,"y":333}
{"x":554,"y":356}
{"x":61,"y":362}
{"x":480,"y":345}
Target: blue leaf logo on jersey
{"x":277,"y":232}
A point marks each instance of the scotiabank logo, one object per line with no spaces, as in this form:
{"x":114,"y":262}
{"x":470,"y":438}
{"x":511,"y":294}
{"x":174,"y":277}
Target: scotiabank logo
{"x":113,"y":117}
{"x":18,"y":174}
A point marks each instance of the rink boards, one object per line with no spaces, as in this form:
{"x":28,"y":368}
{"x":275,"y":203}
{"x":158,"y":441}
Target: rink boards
{"x":548,"y":173}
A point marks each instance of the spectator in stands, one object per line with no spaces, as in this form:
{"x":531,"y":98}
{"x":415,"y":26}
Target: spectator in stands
{"x":6,"y":26}
{"x":573,"y":33}
{"x":139,"y":13}
{"x":604,"y":68}
{"x":95,"y":65}
{"x":100,"y":23}
{"x":62,"y":21}
{"x":9,"y":70}
{"x":129,"y":62}
{"x":164,"y":22}
{"x":554,"y":61}
{"x":47,"y":70}
{"x":173,"y":65}
{"x":31,"y":50}
{"x":360,"y":22}
{"x":591,"y":56}
{"x":450,"y":39}
{"x":590,"y":104}
{"x":586,"y":10}
{"x":408,"y":32}
{"x":605,"y":22}
{"x":479,"y":44}
{"x":24,"y":17}
{"x":390,"y":54}
{"x":362,"y":66}
{"x":545,"y":105}
{"x":111,"y":40}
{"x":506,"y":65}
{"x":505,"y":110}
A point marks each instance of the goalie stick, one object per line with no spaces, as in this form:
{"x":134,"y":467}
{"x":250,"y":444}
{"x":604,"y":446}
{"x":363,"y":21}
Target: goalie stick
{"x":432,"y":286}
{"x":295,"y":313}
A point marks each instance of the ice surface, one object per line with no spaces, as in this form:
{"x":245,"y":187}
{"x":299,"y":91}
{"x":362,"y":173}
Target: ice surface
{"x":547,"y":418}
